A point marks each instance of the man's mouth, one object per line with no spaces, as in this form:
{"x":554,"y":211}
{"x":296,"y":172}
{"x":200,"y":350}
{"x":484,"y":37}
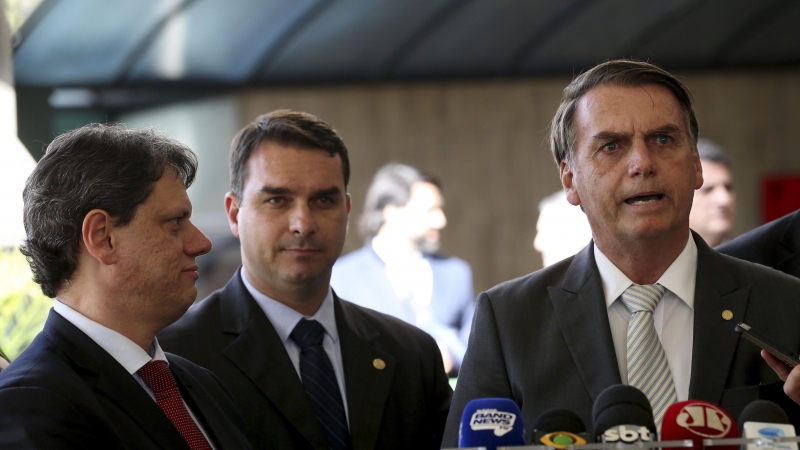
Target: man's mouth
{"x":644,"y":199}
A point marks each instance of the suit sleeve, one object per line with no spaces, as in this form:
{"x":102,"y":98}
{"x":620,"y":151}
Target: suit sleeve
{"x":35,"y":418}
{"x":483,"y":373}
{"x":441,"y":395}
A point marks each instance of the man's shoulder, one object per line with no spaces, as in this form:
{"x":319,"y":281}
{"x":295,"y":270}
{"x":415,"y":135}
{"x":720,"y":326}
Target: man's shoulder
{"x":356,"y":258}
{"x":447,"y":262}
{"x":533,"y":285}
{"x":199,"y":316}
{"x":390,"y":329}
{"x":36,"y":366}
{"x":758,"y":275}
{"x":761,"y":244}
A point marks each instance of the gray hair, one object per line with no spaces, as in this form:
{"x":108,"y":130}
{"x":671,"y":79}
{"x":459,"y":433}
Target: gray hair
{"x":619,"y":72}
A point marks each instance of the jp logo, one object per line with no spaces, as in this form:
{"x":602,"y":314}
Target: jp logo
{"x":491,"y":419}
{"x":705,"y":420}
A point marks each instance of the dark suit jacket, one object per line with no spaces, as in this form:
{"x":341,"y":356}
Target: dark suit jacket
{"x":360,"y":277}
{"x":775,"y":245}
{"x":403,"y":405}
{"x":544,"y":340}
{"x":66,"y":392}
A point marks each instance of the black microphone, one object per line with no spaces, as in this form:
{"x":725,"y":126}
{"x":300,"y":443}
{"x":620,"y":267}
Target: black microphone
{"x":559,"y":428}
{"x":765,"y":419}
{"x":623,"y":414}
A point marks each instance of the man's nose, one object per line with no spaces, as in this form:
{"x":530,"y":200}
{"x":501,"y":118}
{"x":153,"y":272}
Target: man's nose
{"x":640,"y":160}
{"x":301,"y":220}
{"x":198,"y":243}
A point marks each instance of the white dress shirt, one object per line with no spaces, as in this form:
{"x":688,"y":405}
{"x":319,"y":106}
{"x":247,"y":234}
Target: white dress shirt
{"x":284,"y":319}
{"x":125,"y":351}
{"x":673,"y":317}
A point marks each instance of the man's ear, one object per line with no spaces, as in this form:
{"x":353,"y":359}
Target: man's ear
{"x":568,"y":182}
{"x":232,"y":211}
{"x":348,"y":203}
{"x":97,"y":234}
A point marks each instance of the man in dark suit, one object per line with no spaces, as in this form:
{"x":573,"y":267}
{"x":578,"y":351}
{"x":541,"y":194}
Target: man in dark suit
{"x":647,"y":303}
{"x":773,"y":245}
{"x":366,"y":380}
{"x":109,"y":236}
{"x":399,"y":272}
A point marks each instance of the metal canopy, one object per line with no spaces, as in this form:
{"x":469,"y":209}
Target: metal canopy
{"x":130,"y":43}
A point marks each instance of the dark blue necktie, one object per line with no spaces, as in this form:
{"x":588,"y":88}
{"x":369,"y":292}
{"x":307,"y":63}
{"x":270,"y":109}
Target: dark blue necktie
{"x":319,"y":381}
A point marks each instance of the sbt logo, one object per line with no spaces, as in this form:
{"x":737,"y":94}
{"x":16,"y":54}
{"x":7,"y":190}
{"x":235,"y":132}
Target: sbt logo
{"x":627,"y":434}
{"x":704,"y":420}
{"x":500,"y":422}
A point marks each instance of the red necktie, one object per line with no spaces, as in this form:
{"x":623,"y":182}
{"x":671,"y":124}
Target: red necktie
{"x":158,"y":376}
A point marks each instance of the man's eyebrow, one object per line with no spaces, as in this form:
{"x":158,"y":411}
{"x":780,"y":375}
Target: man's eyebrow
{"x":271,"y":190}
{"x":328,"y":192}
{"x":666,"y":129}
{"x":609,"y":136}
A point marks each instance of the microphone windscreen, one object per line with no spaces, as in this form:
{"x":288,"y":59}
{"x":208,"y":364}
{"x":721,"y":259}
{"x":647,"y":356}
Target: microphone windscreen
{"x":762,"y":411}
{"x":559,"y":420}
{"x":491,"y":422}
{"x":697,"y":420}
{"x":622,"y":405}
{"x":559,"y":428}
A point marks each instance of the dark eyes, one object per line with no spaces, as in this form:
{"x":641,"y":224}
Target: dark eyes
{"x":610,"y":147}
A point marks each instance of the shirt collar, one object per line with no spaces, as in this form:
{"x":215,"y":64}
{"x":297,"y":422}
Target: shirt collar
{"x":679,"y":278}
{"x":284,"y":318}
{"x":122,"y":349}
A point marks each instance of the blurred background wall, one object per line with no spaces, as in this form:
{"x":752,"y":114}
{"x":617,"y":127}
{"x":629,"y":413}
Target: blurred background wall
{"x":487,"y":141}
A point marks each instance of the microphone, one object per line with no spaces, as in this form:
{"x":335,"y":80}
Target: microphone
{"x":491,"y":422}
{"x":697,"y":420}
{"x":559,"y":428}
{"x":766,"y":420}
{"x":623,"y":414}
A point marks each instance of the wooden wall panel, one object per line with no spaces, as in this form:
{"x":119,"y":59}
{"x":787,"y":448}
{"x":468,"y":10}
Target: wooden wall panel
{"x":487,"y":141}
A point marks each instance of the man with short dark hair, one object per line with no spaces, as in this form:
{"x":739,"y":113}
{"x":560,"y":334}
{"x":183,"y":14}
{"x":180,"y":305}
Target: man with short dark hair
{"x":399,"y":271}
{"x":714,"y":205}
{"x":109,"y":236}
{"x":646,"y":303}
{"x":308,"y":369}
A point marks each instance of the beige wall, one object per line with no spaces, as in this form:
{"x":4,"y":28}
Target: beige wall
{"x":487,"y":141}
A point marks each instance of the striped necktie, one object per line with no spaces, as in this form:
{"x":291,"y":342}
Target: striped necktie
{"x":319,"y":382}
{"x":648,"y":369}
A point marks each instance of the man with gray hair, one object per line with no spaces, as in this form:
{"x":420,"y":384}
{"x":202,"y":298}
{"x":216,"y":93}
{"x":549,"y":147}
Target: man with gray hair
{"x":714,"y":205}
{"x":648,"y":303}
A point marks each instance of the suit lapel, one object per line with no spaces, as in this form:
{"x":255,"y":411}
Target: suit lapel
{"x":114,"y":382}
{"x":581,"y":311}
{"x":789,"y":241}
{"x":714,"y":341}
{"x":367,"y":386}
{"x":259,"y":353}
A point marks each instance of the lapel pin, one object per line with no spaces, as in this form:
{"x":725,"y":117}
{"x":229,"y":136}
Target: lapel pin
{"x":727,"y":314}
{"x":378,"y":364}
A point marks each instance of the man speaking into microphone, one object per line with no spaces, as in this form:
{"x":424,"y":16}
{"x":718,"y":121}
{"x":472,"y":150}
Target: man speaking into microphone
{"x":647,"y":302}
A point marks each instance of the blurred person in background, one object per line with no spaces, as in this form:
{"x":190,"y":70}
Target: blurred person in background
{"x":109,"y":237}
{"x":714,"y":204}
{"x":562,"y":229}
{"x":308,"y":368}
{"x":399,"y":271}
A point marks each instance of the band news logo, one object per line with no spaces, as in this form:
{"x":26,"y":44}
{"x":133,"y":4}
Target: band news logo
{"x":704,"y":420}
{"x":500,"y":422}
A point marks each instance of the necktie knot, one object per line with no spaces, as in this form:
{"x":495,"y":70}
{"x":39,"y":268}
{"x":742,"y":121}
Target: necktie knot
{"x":643,"y":297}
{"x":308,"y":333}
{"x":158,"y":376}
